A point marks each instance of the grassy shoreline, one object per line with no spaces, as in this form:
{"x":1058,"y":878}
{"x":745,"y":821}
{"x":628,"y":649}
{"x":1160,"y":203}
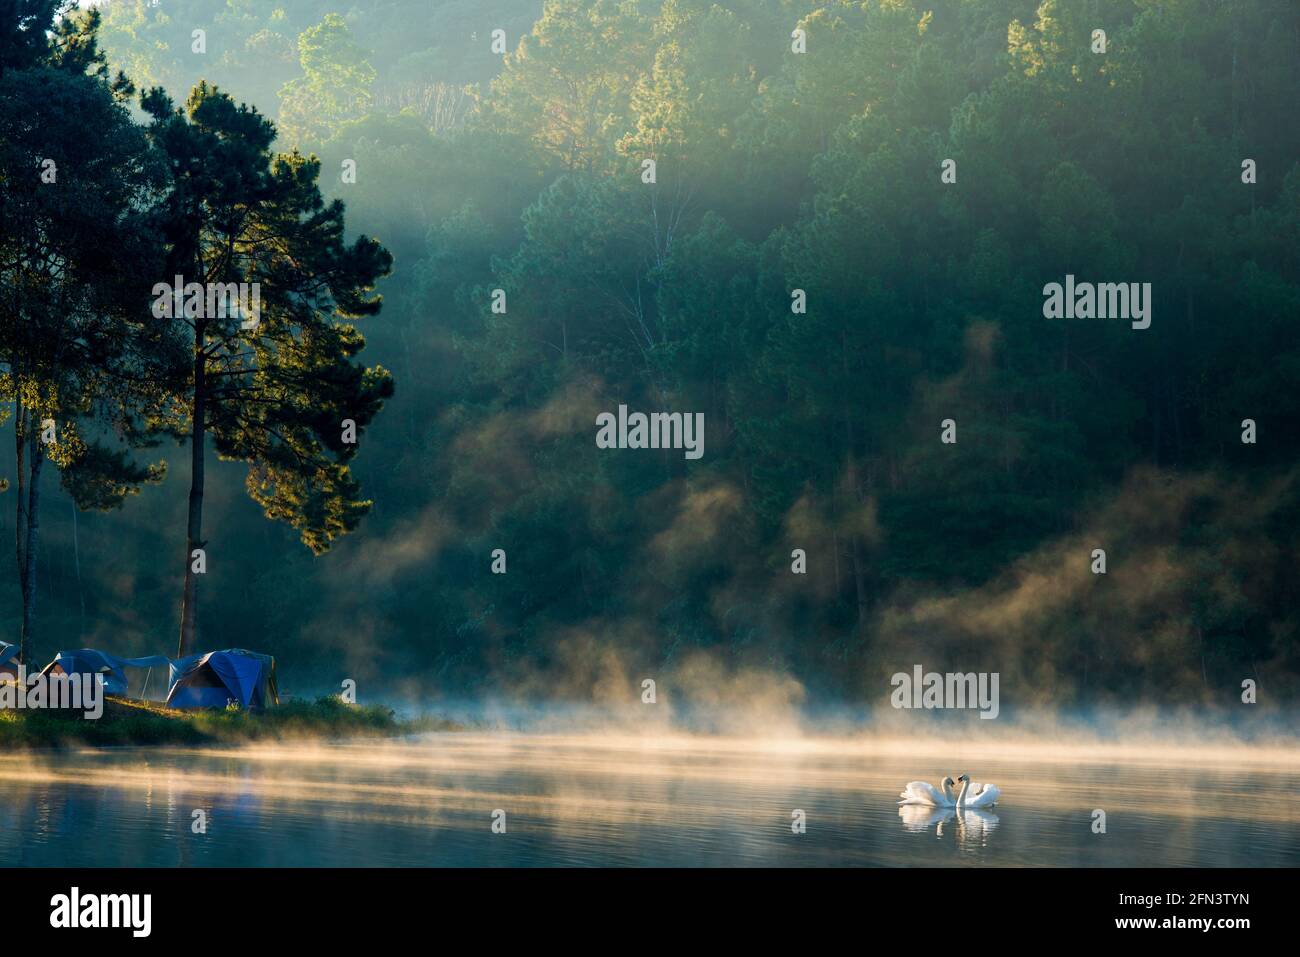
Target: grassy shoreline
{"x":127,"y":722}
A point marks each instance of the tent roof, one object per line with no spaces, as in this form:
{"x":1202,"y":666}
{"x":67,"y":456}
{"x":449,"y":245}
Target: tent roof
{"x":183,"y":666}
{"x":83,"y":658}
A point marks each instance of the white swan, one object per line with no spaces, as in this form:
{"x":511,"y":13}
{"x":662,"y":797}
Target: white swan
{"x":977,"y":795}
{"x":922,"y":792}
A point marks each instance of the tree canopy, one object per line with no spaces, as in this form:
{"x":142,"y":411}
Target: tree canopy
{"x":916,"y":170}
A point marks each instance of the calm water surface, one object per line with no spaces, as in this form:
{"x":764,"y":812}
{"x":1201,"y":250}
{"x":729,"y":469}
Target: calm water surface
{"x":679,"y":801}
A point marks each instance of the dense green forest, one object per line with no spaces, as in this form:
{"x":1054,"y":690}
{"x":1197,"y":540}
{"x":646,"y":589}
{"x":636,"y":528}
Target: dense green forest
{"x":807,"y":269}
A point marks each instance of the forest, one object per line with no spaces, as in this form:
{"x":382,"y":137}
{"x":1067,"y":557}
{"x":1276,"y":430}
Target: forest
{"x":838,"y":256}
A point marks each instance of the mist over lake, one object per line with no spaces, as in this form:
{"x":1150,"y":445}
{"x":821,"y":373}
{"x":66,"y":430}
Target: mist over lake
{"x":621,"y":799}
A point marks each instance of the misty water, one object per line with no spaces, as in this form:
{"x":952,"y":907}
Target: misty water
{"x":612,"y":800}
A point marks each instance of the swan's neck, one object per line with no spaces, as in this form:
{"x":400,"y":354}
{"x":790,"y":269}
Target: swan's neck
{"x":961,"y":798}
{"x":947,"y":792}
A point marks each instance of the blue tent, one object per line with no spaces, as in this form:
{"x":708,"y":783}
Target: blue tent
{"x":88,"y":661}
{"x":215,"y":679}
{"x":8,"y":661}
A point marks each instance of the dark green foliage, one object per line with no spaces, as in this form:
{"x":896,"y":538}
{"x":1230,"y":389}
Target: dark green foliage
{"x":283,"y":395}
{"x":77,"y":246}
{"x":777,"y":172}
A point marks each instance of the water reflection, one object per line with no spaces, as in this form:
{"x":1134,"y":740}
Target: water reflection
{"x":922,"y":817}
{"x":973,"y":825}
{"x":603,"y":800}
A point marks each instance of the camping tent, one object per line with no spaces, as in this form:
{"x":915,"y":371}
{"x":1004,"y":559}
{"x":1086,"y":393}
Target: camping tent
{"x":8,"y":661}
{"x":89,"y":661}
{"x":215,"y":679}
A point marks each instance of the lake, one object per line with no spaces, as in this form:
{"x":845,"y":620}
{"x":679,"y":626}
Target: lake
{"x":665,"y":800}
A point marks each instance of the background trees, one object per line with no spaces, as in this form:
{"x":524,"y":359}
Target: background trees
{"x":335,"y":85}
{"x":817,"y":171}
{"x":75,"y":344}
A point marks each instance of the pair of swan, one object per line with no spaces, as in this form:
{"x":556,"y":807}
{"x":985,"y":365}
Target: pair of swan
{"x":972,"y":795}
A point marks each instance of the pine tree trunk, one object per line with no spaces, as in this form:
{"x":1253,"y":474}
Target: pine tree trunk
{"x":76,"y":559}
{"x":194,"y":528}
{"x":20,"y":515}
{"x":29,"y":550}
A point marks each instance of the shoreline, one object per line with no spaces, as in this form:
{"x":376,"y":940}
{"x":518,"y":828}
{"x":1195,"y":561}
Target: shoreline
{"x":130,"y":723}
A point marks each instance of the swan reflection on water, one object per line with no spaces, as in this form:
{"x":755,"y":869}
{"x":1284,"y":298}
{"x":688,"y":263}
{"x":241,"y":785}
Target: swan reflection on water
{"x":921,"y":817}
{"x":973,"y":825}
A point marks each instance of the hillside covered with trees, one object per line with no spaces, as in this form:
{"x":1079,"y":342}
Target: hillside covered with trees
{"x":854,"y":211}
